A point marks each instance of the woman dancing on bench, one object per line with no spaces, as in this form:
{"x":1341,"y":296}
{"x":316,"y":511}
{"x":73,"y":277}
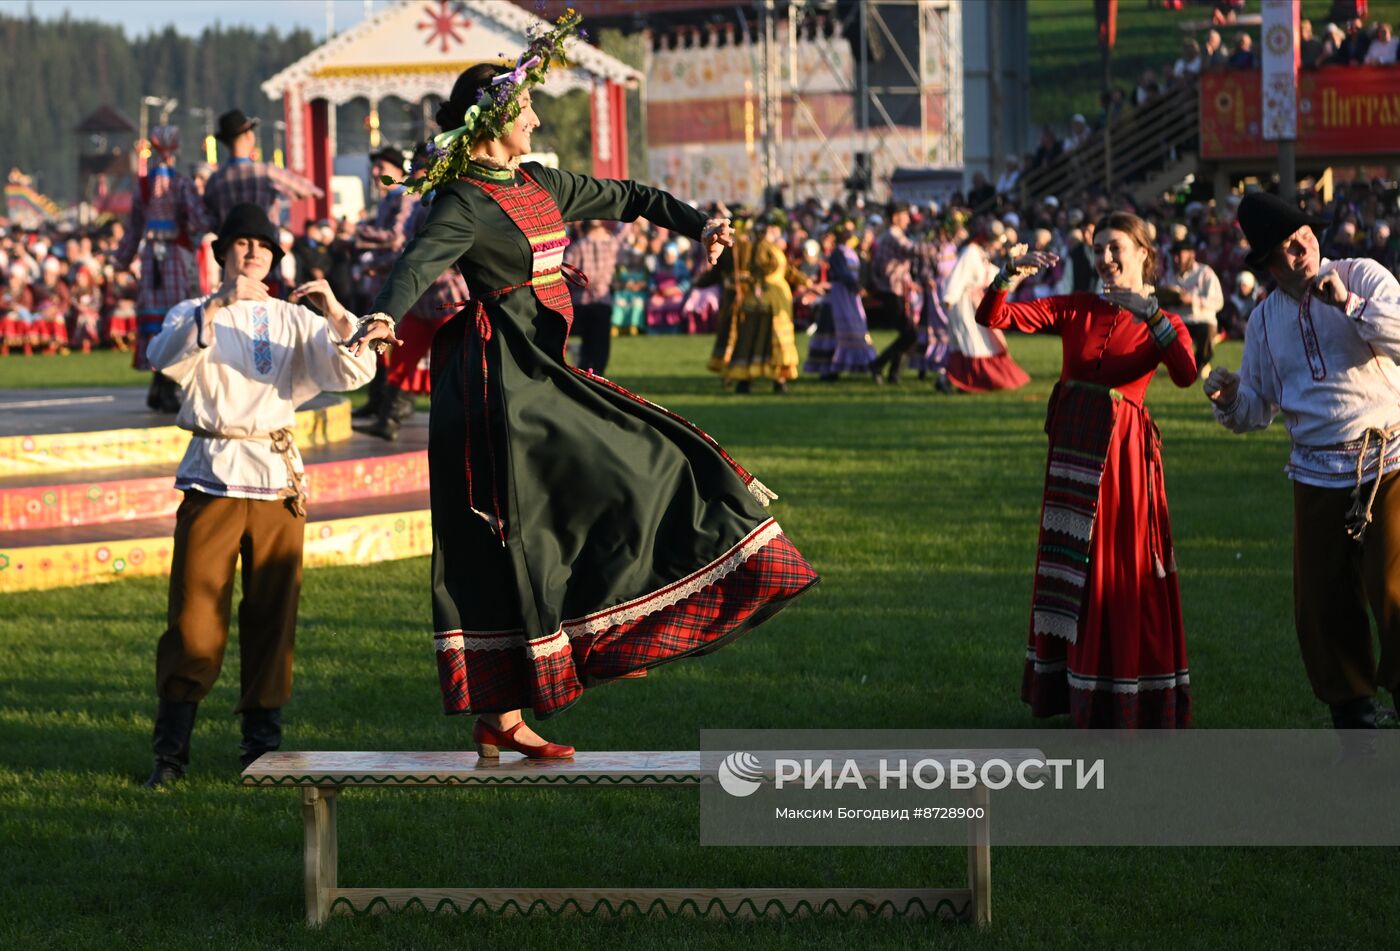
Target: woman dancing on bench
{"x":580,"y":533}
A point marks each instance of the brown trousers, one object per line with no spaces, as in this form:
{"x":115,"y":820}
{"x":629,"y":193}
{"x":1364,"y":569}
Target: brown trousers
{"x":1335,"y":581}
{"x":211,"y":533}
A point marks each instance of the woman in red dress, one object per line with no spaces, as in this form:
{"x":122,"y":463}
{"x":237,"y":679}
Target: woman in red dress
{"x":1106,"y":639}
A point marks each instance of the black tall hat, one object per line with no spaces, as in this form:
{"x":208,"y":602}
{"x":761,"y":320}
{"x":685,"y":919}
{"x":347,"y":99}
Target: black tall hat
{"x":247,"y":221}
{"x":1267,"y":221}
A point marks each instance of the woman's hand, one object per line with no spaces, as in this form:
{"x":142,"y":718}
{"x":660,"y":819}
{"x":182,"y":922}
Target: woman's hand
{"x":1141,"y":306}
{"x":1022,"y":263}
{"x":716,"y":236}
{"x":318,"y":294}
{"x":376,"y":332}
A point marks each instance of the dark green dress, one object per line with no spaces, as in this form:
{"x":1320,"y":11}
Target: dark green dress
{"x":580,"y":533}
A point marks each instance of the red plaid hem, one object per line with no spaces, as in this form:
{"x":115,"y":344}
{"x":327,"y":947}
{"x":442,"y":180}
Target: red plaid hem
{"x":490,"y":672}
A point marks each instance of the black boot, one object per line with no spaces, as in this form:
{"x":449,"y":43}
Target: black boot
{"x":403,"y":405}
{"x":386,"y":424}
{"x":153,"y":393}
{"x":169,"y":395}
{"x":376,"y":392}
{"x":262,"y":733}
{"x":743,"y":386}
{"x":1355,"y":721}
{"x":171,"y":742}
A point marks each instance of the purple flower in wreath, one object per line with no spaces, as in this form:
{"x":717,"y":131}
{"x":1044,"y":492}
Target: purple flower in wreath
{"x":517,"y":75}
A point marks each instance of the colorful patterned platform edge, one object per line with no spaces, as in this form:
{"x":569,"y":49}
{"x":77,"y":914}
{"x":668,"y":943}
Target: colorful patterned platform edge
{"x":745,"y":909}
{"x":356,"y":540}
{"x":156,"y":445}
{"x":432,"y":779}
{"x":67,"y":504}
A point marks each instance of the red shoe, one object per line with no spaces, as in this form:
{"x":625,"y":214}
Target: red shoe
{"x":490,"y":742}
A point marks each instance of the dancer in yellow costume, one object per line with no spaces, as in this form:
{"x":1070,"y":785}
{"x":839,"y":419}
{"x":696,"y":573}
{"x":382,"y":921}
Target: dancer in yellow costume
{"x":762,"y":336}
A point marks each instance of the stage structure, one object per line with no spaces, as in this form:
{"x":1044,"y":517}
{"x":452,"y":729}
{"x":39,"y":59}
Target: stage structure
{"x":809,"y":98}
{"x":748,"y":96}
{"x":415,"y":49}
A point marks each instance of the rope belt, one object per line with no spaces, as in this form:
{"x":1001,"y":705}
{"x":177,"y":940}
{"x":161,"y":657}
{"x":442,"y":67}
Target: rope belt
{"x":1359,"y":515}
{"x":284,"y":444}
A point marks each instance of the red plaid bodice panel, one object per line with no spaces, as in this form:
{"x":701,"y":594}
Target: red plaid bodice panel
{"x":535,"y":213}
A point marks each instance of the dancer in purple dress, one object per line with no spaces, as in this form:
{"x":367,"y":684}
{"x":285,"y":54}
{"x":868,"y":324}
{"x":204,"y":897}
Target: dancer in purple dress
{"x":855,"y":351}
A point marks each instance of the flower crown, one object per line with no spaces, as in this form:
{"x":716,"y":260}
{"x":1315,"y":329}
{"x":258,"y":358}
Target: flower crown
{"x":498,"y":106}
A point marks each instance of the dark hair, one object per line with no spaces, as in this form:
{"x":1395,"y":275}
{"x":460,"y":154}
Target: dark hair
{"x":1135,"y":228}
{"x":465,"y":92}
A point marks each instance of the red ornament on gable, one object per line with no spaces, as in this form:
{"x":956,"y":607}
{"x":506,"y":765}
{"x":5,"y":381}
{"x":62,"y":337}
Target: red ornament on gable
{"x":443,"y":23}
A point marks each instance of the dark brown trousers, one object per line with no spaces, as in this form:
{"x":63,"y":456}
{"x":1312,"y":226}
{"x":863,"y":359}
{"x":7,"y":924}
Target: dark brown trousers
{"x":211,"y":534}
{"x":1335,"y":582}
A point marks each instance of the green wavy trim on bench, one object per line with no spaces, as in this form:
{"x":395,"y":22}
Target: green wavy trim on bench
{"x":604,"y":907}
{"x":432,"y":779}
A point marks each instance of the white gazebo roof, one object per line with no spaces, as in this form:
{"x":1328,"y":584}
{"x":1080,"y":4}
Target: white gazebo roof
{"x":417,"y":48}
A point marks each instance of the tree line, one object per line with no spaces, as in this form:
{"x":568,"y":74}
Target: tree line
{"x":57,"y":72}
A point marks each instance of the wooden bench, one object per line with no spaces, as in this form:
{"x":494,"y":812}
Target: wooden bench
{"x":321,"y":777}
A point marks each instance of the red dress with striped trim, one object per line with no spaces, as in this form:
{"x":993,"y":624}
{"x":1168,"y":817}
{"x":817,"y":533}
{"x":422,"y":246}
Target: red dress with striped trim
{"x":1125,"y":665}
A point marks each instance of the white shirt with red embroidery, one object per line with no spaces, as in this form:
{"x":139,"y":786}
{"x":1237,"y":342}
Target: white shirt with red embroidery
{"x":1331,"y":371}
{"x":242,"y":371}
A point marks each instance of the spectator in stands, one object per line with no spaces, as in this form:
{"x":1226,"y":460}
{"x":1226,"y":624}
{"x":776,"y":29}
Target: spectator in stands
{"x":1189,"y":65}
{"x":1332,"y":46}
{"x":1147,"y":88}
{"x":1006,"y":183}
{"x":1312,"y":53}
{"x":1112,"y":103}
{"x":1048,"y":151}
{"x":1382,"y":50}
{"x":1214,"y":52}
{"x":1343,"y":10}
{"x":1354,"y":48}
{"x":982,"y":191}
{"x":1242,"y":56}
{"x":1078,"y":133}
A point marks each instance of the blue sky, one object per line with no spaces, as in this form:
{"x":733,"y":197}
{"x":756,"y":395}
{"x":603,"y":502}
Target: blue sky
{"x":192,"y":16}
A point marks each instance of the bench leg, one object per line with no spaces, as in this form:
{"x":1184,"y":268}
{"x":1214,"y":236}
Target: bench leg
{"x":979,"y":858}
{"x":318,"y":816}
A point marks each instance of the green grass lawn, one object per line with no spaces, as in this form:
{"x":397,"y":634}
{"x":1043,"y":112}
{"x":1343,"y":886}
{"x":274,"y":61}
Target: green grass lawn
{"x":1066,"y":75}
{"x":920,"y":513}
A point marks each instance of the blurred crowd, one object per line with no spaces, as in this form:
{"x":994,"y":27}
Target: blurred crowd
{"x":65,"y":291}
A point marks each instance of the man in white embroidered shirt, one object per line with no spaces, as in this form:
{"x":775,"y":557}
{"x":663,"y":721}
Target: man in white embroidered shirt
{"x":243,"y":361}
{"x":1322,"y":349}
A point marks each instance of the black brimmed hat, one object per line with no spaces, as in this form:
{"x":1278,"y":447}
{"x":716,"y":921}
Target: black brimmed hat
{"x":1267,"y":221}
{"x":233,"y":124}
{"x":247,"y":221}
{"x":387,"y":154}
